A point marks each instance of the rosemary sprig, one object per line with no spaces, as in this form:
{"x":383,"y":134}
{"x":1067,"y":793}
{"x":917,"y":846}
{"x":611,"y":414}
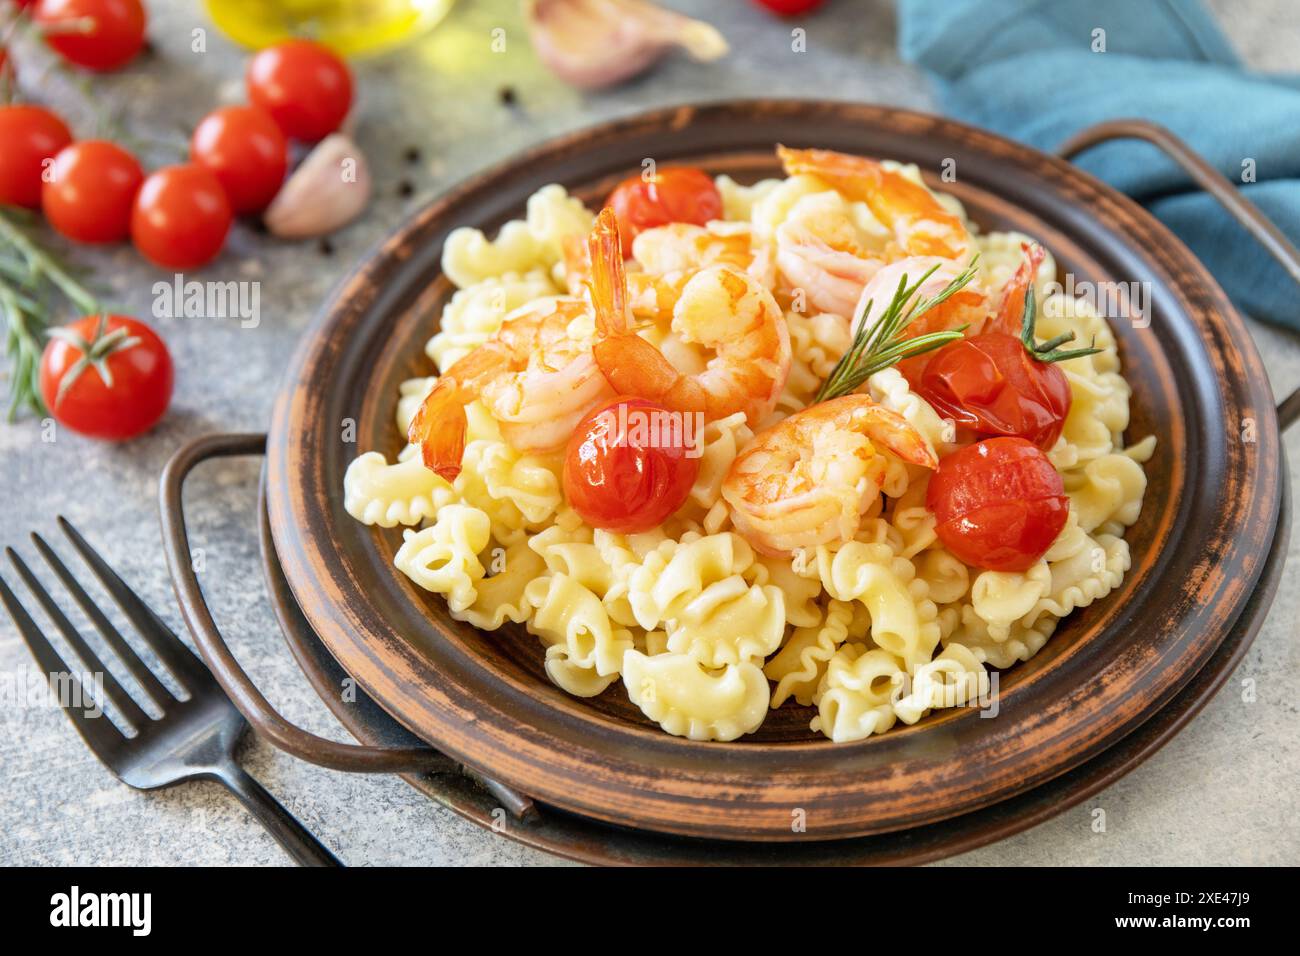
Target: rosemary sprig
{"x":1049,"y":351}
{"x":30,"y":279}
{"x":884,"y":343}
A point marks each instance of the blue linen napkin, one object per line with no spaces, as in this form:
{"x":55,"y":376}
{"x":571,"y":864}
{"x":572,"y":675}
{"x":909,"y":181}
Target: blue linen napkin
{"x":1029,"y":69}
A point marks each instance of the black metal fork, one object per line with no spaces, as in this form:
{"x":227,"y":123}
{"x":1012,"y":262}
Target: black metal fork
{"x":194,"y":739}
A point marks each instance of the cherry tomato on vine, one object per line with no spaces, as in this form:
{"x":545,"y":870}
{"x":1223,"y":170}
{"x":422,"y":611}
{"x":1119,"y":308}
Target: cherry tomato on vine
{"x":30,"y":135}
{"x":90,"y":190}
{"x":305,"y":87}
{"x":998,"y":504}
{"x":629,"y":465}
{"x":244,"y":148}
{"x":790,"y":8}
{"x":112,"y":35}
{"x":181,"y":217}
{"x":106,"y":376}
{"x":676,"y":194}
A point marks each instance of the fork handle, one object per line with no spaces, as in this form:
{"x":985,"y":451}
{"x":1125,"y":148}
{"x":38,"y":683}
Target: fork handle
{"x":296,"y":840}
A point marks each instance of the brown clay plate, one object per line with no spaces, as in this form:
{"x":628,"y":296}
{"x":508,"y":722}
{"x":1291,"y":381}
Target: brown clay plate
{"x":1198,"y":550}
{"x":590,"y":841}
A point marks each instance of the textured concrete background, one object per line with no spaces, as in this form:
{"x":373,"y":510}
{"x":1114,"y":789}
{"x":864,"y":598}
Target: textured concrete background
{"x":1222,"y":792}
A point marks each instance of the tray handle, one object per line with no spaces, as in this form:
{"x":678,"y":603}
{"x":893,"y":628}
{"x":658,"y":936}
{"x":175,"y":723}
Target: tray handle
{"x":287,"y":736}
{"x":1251,"y":218}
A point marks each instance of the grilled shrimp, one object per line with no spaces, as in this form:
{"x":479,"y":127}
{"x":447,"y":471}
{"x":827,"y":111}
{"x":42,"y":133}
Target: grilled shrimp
{"x":920,"y":223}
{"x":972,"y":307}
{"x":721,"y":309}
{"x":819,"y":250}
{"x":535,"y":379}
{"x":809,"y":479}
{"x":664,"y":259}
{"x":668,"y":256}
{"x":968,"y":306}
{"x":683,"y":247}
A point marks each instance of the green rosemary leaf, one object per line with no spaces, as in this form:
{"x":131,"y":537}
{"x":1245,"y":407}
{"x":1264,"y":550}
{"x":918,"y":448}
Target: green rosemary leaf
{"x":885,"y":344}
{"x":30,"y":279}
{"x":1049,"y":351}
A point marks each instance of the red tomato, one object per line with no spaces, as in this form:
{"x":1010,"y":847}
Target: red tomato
{"x":627,"y":468}
{"x":993,"y":386}
{"x":115,"y":34}
{"x":30,"y":135}
{"x":106,"y":376}
{"x":90,"y":191}
{"x":999,"y":504}
{"x":181,"y":217}
{"x":676,"y":194}
{"x":305,"y":87}
{"x":790,"y":8}
{"x":244,"y":148}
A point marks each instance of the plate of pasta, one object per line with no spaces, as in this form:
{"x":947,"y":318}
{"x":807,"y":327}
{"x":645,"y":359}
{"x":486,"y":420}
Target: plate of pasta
{"x":698,"y":483}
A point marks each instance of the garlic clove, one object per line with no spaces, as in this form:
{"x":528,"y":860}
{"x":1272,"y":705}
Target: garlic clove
{"x":597,"y":43}
{"x":329,"y":189}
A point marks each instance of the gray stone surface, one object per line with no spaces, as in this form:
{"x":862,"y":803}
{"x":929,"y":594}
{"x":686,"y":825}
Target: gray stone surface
{"x":1222,"y":792}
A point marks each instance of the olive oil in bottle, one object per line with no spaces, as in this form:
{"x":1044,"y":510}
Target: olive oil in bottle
{"x":352,"y":27}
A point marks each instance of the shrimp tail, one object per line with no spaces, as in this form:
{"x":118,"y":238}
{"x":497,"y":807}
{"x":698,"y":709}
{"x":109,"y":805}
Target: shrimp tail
{"x":887,"y":428}
{"x":633,"y":366}
{"x":630,"y":364}
{"x":855,"y":176}
{"x":1011,"y":311}
{"x":608,"y":281}
{"x":439,"y":427}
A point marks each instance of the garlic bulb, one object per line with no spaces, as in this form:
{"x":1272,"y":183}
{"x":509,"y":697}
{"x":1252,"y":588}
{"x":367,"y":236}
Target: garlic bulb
{"x":329,"y":189}
{"x":595,"y":43}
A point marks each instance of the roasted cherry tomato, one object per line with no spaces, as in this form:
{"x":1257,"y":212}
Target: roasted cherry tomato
{"x":90,"y":191}
{"x":106,"y":376}
{"x":181,"y":217}
{"x":630,"y":464}
{"x":676,"y":194}
{"x":305,"y":87}
{"x":244,"y":148}
{"x":30,"y":135}
{"x":95,"y":34}
{"x":790,"y":8}
{"x":998,"y":504}
{"x":997,"y":384}
{"x":992,"y":385}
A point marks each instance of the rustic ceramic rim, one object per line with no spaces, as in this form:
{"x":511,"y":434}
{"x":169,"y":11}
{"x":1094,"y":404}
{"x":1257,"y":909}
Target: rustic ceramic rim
{"x":1207,"y":549}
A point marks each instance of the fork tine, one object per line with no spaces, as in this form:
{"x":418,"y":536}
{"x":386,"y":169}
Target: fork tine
{"x":99,"y":733}
{"x":136,"y":717}
{"x":171,"y":650}
{"x":155,"y":688}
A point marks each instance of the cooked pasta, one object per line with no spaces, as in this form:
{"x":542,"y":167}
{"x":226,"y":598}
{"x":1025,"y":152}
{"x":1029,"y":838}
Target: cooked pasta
{"x":806,"y":562}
